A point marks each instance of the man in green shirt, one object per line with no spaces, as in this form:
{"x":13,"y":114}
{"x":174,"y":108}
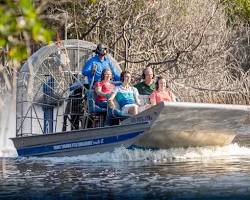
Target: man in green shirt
{"x":147,"y":86}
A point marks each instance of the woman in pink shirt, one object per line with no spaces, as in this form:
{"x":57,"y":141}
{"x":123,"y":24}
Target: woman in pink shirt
{"x":161,"y":93}
{"x":104,"y":88}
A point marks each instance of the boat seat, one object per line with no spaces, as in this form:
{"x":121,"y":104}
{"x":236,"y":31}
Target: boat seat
{"x":115,"y":116}
{"x":92,"y":107}
{"x":73,"y":110}
{"x":97,"y":114}
{"x":145,"y":102}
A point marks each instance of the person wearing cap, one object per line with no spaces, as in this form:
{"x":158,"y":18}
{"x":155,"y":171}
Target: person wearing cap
{"x":95,"y":65}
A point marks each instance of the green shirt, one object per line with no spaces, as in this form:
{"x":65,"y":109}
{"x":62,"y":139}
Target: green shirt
{"x":145,"y":89}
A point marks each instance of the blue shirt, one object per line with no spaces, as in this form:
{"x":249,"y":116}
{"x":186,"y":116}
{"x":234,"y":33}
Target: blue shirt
{"x":125,"y":96}
{"x":100,"y":66}
{"x":76,"y":85}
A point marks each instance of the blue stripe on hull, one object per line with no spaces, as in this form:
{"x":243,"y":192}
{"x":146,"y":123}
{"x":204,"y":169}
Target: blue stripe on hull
{"x":48,"y":149}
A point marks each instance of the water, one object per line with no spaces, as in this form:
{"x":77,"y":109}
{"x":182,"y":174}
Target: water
{"x":192,"y":173}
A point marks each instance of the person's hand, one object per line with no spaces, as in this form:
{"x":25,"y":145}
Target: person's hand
{"x":111,"y":105}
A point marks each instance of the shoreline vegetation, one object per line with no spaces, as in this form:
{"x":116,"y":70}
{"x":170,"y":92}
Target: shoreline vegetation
{"x":202,"y":48}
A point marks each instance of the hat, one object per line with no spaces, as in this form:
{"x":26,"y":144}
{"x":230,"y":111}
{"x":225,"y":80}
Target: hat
{"x":101,"y":49}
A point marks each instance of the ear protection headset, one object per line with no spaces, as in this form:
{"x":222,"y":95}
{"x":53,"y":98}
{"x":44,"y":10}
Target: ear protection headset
{"x":157,"y":82}
{"x":101,"y":50}
{"x":143,"y":76}
{"x":103,"y":73}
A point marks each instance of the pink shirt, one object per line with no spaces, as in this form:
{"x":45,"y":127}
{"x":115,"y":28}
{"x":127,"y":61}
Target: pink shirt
{"x":106,"y":88}
{"x":158,"y":96}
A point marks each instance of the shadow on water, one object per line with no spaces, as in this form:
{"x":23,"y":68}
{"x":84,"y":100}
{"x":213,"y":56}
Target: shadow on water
{"x":199,"y":174}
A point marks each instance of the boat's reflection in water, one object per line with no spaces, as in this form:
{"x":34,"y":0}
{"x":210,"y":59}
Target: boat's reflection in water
{"x":192,"y":173}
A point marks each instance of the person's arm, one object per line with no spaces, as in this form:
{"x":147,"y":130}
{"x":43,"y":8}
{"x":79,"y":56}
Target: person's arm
{"x":87,"y":67}
{"x":172,"y":96}
{"x":111,"y":99}
{"x":98,"y":90}
{"x":152,"y":99}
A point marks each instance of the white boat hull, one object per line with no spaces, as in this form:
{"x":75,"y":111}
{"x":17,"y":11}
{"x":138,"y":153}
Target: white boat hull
{"x":180,"y":124}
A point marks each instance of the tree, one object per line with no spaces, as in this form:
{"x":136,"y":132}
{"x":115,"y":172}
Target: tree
{"x":191,"y":43}
{"x":238,"y":9}
{"x":20,"y":27}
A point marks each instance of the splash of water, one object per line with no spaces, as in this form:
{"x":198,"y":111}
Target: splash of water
{"x":176,"y":154}
{"x":7,"y":126}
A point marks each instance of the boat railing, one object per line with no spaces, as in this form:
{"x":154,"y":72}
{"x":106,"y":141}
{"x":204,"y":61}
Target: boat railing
{"x":44,"y":87}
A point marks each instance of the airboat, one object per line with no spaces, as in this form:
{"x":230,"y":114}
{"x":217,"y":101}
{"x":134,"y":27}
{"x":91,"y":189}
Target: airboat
{"x":52,"y":114}
{"x":52,"y":119}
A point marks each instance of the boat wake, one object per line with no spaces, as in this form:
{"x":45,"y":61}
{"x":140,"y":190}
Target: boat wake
{"x":156,"y":156}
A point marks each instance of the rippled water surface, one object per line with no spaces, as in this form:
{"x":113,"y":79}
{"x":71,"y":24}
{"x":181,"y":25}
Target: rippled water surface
{"x":193,"y":173}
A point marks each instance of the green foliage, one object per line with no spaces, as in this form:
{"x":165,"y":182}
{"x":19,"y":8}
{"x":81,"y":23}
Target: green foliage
{"x":20,"y":25}
{"x":92,"y":1}
{"x":238,"y":9}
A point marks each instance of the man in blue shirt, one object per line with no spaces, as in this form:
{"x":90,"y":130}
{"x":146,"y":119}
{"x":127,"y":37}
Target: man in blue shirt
{"x":95,"y":65}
